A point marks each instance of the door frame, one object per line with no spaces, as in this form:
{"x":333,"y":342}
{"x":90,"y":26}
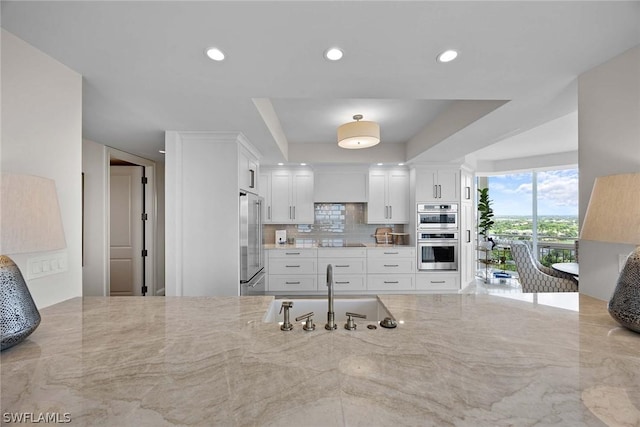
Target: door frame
{"x":151,"y":209}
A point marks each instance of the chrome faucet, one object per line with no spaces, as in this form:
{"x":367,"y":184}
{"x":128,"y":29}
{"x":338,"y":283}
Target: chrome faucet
{"x":331,"y":324}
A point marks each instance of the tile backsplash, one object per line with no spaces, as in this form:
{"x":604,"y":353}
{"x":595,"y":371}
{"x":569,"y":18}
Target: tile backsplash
{"x":333,"y":222}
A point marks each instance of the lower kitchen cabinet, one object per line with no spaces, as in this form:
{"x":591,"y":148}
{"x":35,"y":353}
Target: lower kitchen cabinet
{"x":391,"y":269}
{"x":438,"y":282}
{"x":392,"y":283}
{"x":292,"y":270}
{"x":292,"y":283}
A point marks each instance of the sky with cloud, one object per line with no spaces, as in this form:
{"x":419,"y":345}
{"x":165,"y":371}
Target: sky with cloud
{"x":557,"y":193}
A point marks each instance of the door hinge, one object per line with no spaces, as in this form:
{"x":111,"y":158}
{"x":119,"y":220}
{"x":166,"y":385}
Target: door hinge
{"x":145,"y":252}
{"x":144,"y":180}
{"x":144,"y":290}
{"x":145,"y":216}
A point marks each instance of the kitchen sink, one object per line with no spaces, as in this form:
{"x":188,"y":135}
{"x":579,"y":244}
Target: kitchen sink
{"x":370,"y":307}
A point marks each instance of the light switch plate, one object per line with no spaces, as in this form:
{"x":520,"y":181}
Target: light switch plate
{"x":47,"y":264}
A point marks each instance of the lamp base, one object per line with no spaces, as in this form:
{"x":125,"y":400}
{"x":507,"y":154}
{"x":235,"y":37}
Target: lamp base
{"x":19,"y":316}
{"x":624,"y":305}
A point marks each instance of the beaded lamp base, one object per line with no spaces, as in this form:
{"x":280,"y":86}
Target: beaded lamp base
{"x":19,"y":316}
{"x":624,"y":305}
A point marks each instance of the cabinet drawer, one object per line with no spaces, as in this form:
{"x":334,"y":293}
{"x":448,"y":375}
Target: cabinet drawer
{"x":292,"y":283}
{"x":344,"y":282}
{"x":342,"y":252}
{"x":388,"y":266}
{"x":392,"y":252}
{"x":292,"y":266}
{"x":437,"y":282}
{"x":383,"y":282}
{"x":293,"y":253}
{"x":343,"y":265}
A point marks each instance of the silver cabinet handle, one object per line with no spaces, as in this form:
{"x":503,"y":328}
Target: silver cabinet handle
{"x":468,"y":236}
{"x":435,"y":191}
{"x":390,"y":211}
{"x":437,"y":281}
{"x":292,"y":266}
{"x":269,"y":212}
{"x":342,"y":283}
{"x":391,"y":282}
{"x":252,"y":178}
{"x":292,"y":253}
{"x":391,"y":265}
{"x":467,"y":193}
{"x":291,"y":283}
{"x":294,"y":212}
{"x":391,"y":253}
{"x":290,"y":217}
{"x":343,"y":266}
{"x":439,"y":191}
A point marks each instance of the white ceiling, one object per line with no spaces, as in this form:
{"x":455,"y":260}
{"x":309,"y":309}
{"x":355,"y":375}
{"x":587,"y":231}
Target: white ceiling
{"x":145,"y":71}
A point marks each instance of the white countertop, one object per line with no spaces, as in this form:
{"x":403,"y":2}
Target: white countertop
{"x":463,"y":360}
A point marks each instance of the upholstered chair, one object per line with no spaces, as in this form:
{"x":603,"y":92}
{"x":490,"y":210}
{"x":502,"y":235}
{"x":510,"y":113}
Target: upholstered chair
{"x":535,"y":277}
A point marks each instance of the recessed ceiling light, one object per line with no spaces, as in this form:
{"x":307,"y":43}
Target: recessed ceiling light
{"x":447,"y":56}
{"x":280,"y":164}
{"x":333,"y":54}
{"x":215,"y":54}
{"x":161,"y":151}
{"x":400,"y":164}
{"x":303,"y":164}
{"x":379,"y":164}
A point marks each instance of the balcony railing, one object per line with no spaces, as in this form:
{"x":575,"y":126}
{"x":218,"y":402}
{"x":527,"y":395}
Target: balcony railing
{"x":550,"y":249}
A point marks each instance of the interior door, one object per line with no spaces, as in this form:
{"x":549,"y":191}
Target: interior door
{"x":126,"y":231}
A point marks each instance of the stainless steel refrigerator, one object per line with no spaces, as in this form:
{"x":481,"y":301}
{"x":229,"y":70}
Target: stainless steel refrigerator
{"x":252,"y":274}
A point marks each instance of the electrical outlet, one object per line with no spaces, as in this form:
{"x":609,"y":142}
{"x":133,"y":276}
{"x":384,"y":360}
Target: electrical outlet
{"x":622,"y":260}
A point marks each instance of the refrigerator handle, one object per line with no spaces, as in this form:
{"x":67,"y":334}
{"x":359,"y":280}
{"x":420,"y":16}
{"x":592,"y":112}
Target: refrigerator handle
{"x":259,"y":223}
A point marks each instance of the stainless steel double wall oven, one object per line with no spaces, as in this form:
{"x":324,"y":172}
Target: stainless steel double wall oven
{"x":437,"y":236}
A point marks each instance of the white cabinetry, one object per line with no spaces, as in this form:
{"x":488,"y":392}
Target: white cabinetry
{"x":349,"y":269}
{"x":437,"y":282}
{"x":467,"y":258}
{"x":388,"y":197}
{"x":391,"y":269}
{"x":292,"y":270}
{"x":247,"y":171}
{"x":437,"y":185}
{"x":289,"y":197}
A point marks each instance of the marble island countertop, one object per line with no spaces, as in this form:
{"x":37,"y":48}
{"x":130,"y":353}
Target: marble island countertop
{"x":458,"y":360}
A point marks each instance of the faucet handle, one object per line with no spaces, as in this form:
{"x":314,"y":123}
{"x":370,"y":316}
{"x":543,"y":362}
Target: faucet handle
{"x":308,"y":325}
{"x":351,"y":325}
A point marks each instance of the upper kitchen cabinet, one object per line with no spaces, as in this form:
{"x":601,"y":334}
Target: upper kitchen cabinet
{"x":436,"y":185}
{"x":289,"y":196}
{"x":335,"y":185}
{"x":388,"y":196}
{"x":247,"y":170}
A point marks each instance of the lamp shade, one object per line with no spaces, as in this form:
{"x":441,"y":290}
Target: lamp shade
{"x":30,"y":218}
{"x":358,"y":134}
{"x":613,"y":214}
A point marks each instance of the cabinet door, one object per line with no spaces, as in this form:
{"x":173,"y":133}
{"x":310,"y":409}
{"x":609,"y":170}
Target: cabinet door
{"x":302,"y":198}
{"x":466,"y":180}
{"x":398,"y":197}
{"x":467,"y":245}
{"x":448,"y":185}
{"x":281,"y":207}
{"x":377,"y":201}
{"x":265,"y":191}
{"x":426,"y":181}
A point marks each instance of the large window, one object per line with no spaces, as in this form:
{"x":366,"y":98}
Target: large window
{"x":540,"y":206}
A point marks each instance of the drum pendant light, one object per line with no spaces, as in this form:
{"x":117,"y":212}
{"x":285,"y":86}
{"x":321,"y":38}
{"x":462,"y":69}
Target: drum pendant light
{"x":358,"y":134}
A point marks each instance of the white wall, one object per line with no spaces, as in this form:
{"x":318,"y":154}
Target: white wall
{"x":94,"y":272}
{"x":202,"y":214}
{"x":42,"y":135}
{"x":609,"y":143}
